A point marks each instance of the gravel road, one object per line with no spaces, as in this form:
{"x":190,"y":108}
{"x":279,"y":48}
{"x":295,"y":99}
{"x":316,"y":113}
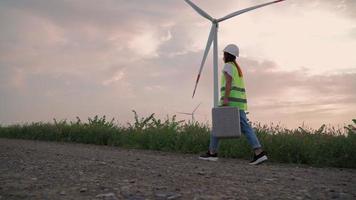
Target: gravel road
{"x":49,"y":170}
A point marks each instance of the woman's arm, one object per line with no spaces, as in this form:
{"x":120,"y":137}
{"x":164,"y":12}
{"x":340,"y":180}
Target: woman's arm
{"x":228,"y":79}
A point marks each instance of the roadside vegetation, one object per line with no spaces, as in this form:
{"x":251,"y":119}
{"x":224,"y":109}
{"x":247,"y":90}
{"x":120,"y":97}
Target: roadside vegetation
{"x":324,"y":147}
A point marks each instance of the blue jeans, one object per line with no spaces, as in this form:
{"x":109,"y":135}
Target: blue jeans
{"x":245,"y":129}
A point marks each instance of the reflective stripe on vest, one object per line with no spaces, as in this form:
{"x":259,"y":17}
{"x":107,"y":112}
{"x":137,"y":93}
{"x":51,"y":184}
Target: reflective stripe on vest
{"x":222,"y":89}
{"x":232,"y":99}
{"x":237,"y":97}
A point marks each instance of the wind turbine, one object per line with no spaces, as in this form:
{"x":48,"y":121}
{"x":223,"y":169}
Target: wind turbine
{"x":213,"y":37}
{"x":192,"y":114}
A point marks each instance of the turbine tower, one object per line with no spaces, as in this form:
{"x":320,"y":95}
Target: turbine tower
{"x":213,"y":37}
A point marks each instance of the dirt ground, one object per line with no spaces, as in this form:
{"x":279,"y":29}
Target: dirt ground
{"x":49,"y":170}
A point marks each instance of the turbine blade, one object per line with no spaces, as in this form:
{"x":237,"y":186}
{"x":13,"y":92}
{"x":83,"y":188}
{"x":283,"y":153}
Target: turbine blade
{"x":246,"y":10}
{"x":196,"y":108}
{"x":185,"y":113}
{"x":199,"y":10}
{"x":207,"y":48}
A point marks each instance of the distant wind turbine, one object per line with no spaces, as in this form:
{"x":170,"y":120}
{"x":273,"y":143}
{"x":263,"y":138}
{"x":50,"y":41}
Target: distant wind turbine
{"x":213,"y":37}
{"x":192,"y":114}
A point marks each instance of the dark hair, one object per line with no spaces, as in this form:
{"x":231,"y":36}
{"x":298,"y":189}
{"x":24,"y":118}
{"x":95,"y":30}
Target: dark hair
{"x":231,"y":58}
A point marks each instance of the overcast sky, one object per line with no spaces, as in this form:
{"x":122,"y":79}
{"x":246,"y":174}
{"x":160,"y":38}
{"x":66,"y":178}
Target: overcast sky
{"x":62,"y":59}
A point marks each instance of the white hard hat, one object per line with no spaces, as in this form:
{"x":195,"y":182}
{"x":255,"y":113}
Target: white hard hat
{"x":232,"y":49}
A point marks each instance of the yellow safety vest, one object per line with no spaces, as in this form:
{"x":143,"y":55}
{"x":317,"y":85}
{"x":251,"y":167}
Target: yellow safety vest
{"x":237,"y":96}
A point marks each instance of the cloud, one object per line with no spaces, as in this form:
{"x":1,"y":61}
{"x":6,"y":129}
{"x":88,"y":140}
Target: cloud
{"x":68,"y":58}
{"x":117,"y":77}
{"x":147,"y":43}
{"x":264,"y":78}
{"x":343,"y":7}
{"x":91,"y":31}
{"x":347,"y":7}
{"x":298,"y":95}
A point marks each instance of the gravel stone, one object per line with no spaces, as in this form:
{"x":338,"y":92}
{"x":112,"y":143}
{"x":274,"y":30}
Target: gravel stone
{"x":107,"y":196}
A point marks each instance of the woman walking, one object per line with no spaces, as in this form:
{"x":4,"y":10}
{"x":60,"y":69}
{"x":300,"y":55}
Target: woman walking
{"x":233,"y":94}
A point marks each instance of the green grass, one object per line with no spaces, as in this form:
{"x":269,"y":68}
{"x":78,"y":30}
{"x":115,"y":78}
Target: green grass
{"x":325,"y":147}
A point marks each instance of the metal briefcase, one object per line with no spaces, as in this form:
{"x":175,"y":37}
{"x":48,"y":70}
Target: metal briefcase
{"x":226,"y":122}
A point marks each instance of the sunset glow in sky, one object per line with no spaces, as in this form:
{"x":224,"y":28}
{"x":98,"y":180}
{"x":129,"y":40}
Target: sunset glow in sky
{"x":62,"y":59}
